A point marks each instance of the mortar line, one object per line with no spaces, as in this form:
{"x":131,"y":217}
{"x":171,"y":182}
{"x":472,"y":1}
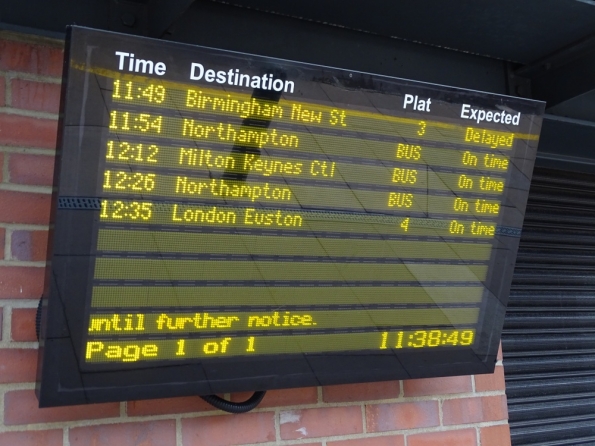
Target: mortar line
{"x":8,"y":89}
{"x":7,"y":326}
{"x":21,"y":75}
{"x":28,"y":150}
{"x":179,"y":439}
{"x":29,"y":113}
{"x":364,"y":422}
{"x":8,"y":244}
{"x":277,"y":422}
{"x":26,"y":188}
{"x":5,"y":171}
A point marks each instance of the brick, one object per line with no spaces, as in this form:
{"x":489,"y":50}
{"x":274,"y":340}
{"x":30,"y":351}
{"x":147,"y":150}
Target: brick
{"x":391,"y":440}
{"x":18,"y":365}
{"x":474,"y":410}
{"x":39,"y":96}
{"x":22,"y":407}
{"x":490,"y":382}
{"x":1,"y":166}
{"x":32,"y":438}
{"x":29,"y":245}
{"x":394,"y":416}
{"x":465,"y":437}
{"x":437,"y":386}
{"x":361,"y":392}
{"x":325,"y":422}
{"x":2,"y":91}
{"x":37,"y":170}
{"x":25,"y":131}
{"x":30,"y":58}
{"x":1,"y":320}
{"x":154,"y":433}
{"x":2,"y":239}
{"x":21,"y":282}
{"x":285,"y":397}
{"x":495,"y":435}
{"x":167,"y":406}
{"x":22,"y":325}
{"x":500,"y":355}
{"x":227,"y":430}
{"x":24,"y":207}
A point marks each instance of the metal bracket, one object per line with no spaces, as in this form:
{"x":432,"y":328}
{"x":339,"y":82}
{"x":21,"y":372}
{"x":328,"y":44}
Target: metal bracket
{"x":164,"y":13}
{"x":128,"y":17}
{"x":517,"y":85}
{"x":152,"y":18}
{"x":564,"y":74}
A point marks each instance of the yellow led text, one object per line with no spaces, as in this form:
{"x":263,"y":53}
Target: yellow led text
{"x":277,"y":320}
{"x":106,"y":323}
{"x":269,"y":167}
{"x":400,"y":199}
{"x":322,"y":168}
{"x":260,"y":218}
{"x":245,"y":108}
{"x":408,"y":152}
{"x":198,"y":321}
{"x":489,"y":184}
{"x":302,"y":114}
{"x":338,"y":117}
{"x":124,"y":353}
{"x":495,"y":161}
{"x":483,"y":183}
{"x":213,"y":215}
{"x":489,"y":138}
{"x":404,"y":176}
{"x":205,"y":158}
{"x":253,"y":138}
{"x":227,"y":189}
{"x":477,"y":228}
{"x":479,"y":206}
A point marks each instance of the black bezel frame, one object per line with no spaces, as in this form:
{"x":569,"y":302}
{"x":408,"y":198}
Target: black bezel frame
{"x":60,"y":378}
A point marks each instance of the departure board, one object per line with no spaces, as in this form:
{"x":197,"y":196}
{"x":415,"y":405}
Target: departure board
{"x":229,"y":222}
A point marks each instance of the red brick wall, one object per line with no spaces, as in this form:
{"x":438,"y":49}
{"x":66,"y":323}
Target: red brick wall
{"x":459,"y":411}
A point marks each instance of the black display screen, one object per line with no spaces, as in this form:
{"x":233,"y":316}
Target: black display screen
{"x":227,"y":222}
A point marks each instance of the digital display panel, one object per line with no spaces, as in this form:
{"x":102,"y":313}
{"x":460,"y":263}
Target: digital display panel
{"x":228,"y":222}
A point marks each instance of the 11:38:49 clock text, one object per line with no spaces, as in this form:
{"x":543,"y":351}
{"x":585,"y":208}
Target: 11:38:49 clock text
{"x":426,"y":338}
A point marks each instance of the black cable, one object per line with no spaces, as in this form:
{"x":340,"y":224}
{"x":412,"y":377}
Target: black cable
{"x":231,"y":407}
